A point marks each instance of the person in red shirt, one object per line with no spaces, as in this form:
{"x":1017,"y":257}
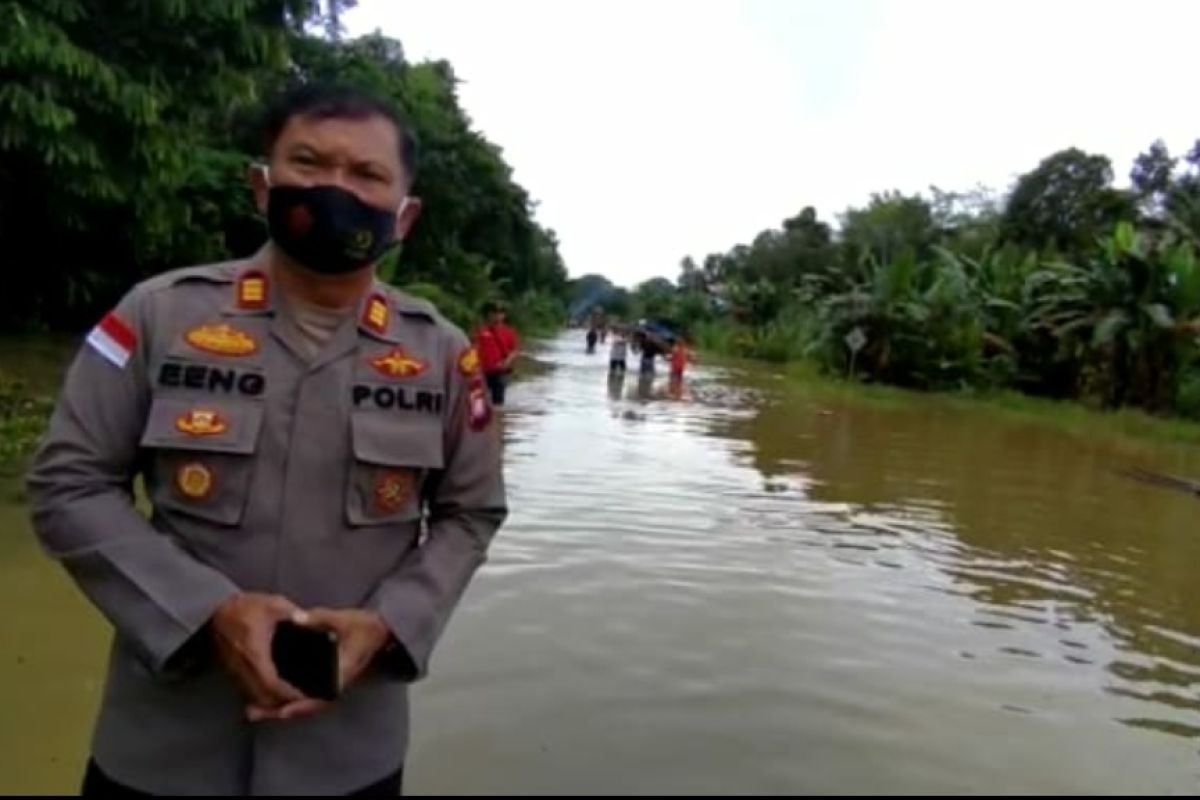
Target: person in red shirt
{"x":681,"y":356}
{"x":498,"y":347}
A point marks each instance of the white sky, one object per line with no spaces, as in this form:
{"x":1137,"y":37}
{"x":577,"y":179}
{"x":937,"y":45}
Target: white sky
{"x":652,"y":129}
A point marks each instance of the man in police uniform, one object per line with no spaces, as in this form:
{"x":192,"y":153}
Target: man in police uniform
{"x":317,"y":447}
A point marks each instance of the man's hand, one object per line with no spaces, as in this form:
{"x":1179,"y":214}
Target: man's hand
{"x":243,"y":627}
{"x":360,"y":635}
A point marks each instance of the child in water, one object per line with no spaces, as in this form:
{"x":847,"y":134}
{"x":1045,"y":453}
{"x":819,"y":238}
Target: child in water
{"x":681,"y":356}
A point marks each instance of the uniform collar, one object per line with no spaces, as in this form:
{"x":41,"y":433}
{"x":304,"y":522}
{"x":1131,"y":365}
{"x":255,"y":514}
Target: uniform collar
{"x":254,"y":293}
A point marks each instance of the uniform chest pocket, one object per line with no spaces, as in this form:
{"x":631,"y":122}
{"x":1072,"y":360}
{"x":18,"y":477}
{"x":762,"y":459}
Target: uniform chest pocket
{"x":202,"y":456}
{"x":394,"y":457}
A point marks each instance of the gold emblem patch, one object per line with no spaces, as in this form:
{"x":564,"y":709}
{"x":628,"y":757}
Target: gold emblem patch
{"x":392,"y":490}
{"x":375,"y":316}
{"x":468,"y":362}
{"x":201,"y":422}
{"x":224,"y":340}
{"x":252,"y":290}
{"x":194,"y":481}
{"x":398,"y":364}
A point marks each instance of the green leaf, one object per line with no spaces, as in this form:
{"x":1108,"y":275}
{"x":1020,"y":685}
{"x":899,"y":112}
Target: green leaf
{"x":1185,"y":277}
{"x":1110,"y":326}
{"x":1159,"y":314}
{"x":1079,"y":323}
{"x":1124,"y":237}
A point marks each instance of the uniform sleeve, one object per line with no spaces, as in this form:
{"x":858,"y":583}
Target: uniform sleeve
{"x":155,"y":594}
{"x":467,"y":505}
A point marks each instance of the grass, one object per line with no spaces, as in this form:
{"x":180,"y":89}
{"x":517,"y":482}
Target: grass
{"x":538,"y":329}
{"x":1079,"y":419}
{"x":23,"y":418}
{"x":1063,"y":415}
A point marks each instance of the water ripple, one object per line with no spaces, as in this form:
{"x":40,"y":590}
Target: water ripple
{"x":744,"y":588}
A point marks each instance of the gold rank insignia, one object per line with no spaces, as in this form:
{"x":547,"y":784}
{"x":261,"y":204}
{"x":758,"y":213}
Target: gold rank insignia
{"x":194,"y":481}
{"x":392,"y":490}
{"x":252,"y":291}
{"x":375,"y":315}
{"x":201,"y":422}
{"x":224,"y":340}
{"x":468,"y":362}
{"x":398,"y":364}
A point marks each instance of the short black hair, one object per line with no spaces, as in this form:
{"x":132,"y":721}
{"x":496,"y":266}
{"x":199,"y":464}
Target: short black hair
{"x":328,"y":100}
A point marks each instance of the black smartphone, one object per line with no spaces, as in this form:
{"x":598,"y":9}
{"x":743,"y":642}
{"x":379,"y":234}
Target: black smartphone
{"x":307,"y":659}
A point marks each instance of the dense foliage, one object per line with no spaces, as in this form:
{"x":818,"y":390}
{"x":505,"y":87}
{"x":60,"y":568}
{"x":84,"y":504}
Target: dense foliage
{"x":1068,"y":287}
{"x":126,"y":133}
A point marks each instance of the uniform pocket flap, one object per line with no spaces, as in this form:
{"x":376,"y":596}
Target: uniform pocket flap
{"x":397,"y":440}
{"x":184,"y":424}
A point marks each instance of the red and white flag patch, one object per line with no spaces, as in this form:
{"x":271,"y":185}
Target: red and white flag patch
{"x":479,"y":410}
{"x":113,"y":340}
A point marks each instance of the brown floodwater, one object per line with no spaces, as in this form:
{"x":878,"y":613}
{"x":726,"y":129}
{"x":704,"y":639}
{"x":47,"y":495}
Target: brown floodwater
{"x":746,"y":588}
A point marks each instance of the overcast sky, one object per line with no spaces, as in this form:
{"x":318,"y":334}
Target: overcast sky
{"x":652,"y":129}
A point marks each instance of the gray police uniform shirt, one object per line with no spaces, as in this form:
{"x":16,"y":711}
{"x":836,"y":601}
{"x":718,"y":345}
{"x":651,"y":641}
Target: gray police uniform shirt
{"x":366,"y":476}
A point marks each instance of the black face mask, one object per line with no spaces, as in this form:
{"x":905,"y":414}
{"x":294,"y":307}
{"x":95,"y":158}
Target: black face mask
{"x":328,"y":229}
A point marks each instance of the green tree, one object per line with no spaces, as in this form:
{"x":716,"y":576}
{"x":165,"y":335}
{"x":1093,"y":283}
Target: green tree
{"x":654,"y":298}
{"x":114,"y":161}
{"x":1182,"y":204}
{"x":619,"y":304}
{"x":1054,"y":290}
{"x":1129,"y":316}
{"x":125,"y":135}
{"x":1067,"y":203}
{"x":588,"y":291}
{"x":805,"y":248}
{"x":691,"y":277}
{"x":968,"y":222}
{"x":478,"y":233}
{"x":1151,"y":179}
{"x":892,"y":223}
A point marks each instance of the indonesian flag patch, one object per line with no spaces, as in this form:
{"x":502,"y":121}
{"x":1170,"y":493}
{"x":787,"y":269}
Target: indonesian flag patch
{"x":479,"y":410}
{"x":113,"y":339}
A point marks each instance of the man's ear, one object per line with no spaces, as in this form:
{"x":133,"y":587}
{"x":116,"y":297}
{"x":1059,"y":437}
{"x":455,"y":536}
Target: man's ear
{"x":407,"y":216}
{"x":260,"y":184}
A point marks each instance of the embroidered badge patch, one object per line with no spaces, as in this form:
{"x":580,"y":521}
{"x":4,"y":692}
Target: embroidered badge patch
{"x":398,"y":364}
{"x":392,"y":490}
{"x":224,"y":340}
{"x":201,"y":422}
{"x":468,"y":362}
{"x":194,"y":481}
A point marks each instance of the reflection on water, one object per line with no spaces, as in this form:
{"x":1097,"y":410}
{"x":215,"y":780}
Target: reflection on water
{"x":736,"y":589}
{"x":727,"y":587}
{"x":1046,"y":536}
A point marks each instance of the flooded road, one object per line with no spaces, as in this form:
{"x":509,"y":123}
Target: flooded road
{"x":750,"y":589}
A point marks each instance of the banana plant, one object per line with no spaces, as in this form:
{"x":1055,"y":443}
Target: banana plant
{"x":1122,"y":315}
